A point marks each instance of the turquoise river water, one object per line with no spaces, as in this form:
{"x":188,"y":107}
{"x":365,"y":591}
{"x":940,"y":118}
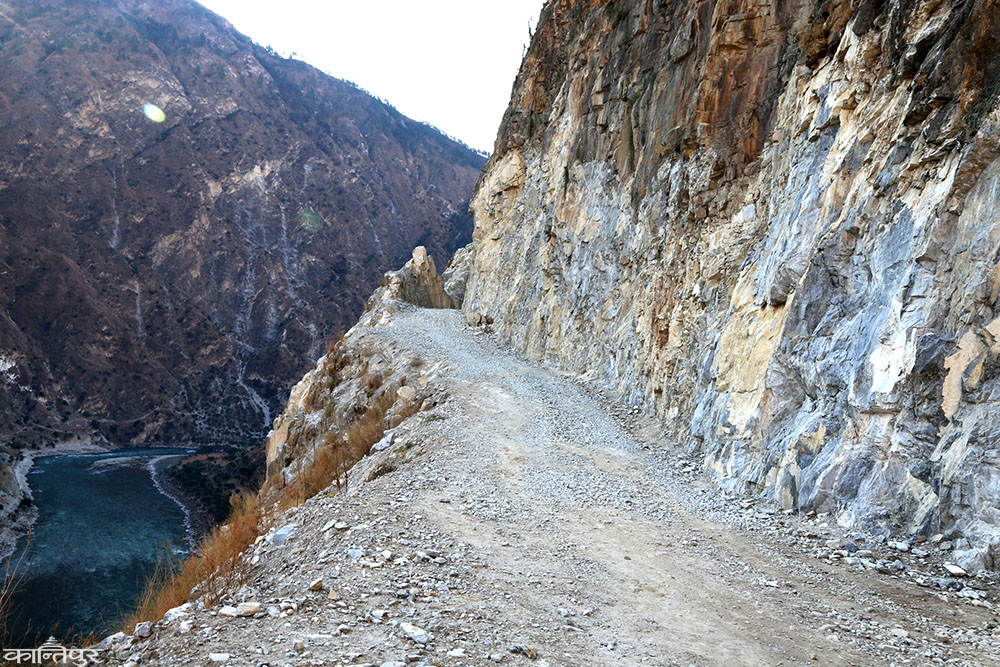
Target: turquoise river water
{"x":102,"y":525}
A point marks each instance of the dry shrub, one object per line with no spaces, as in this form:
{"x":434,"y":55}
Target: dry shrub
{"x":169,"y":586}
{"x":337,"y":358}
{"x":332,"y":459}
{"x":224,"y":551}
{"x":335,"y":364}
{"x":403,"y":413}
{"x":383,"y":468}
{"x":328,"y":462}
{"x":368,"y":430}
{"x":292,"y":495}
{"x":220,"y":563}
{"x":371,"y":382}
{"x":333,"y":344}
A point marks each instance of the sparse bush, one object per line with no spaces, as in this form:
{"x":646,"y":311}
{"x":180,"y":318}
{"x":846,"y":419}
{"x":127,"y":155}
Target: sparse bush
{"x":332,"y":459}
{"x":383,"y":468}
{"x":220,"y":563}
{"x":372,"y":382}
{"x":405,"y":447}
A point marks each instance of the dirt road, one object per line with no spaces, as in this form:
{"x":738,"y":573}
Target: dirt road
{"x":527,"y":520}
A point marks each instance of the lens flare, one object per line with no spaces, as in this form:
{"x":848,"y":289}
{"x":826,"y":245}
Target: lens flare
{"x":154,"y":113}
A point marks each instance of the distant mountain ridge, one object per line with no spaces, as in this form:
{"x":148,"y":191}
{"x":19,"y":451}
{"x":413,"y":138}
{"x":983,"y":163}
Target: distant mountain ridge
{"x":168,"y":282}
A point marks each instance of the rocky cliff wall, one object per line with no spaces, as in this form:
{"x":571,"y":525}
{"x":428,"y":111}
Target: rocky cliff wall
{"x":776,"y":226}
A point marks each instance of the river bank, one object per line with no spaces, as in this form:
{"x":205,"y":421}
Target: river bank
{"x":103,"y":528}
{"x":196,"y":520}
{"x":17,"y":518}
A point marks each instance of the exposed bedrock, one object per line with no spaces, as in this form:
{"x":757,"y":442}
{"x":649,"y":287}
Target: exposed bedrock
{"x":776,"y":226}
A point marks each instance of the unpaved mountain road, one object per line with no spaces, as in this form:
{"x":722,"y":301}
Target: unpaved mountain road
{"x":520,"y":517}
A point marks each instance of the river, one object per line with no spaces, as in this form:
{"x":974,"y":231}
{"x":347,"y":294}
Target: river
{"x":102,"y":525}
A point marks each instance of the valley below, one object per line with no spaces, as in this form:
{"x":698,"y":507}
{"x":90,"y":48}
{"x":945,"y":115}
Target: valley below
{"x":712,"y":376}
{"x":166,"y":278}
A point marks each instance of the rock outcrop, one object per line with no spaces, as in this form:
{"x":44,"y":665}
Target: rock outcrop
{"x":515,"y":493}
{"x":775,"y":226}
{"x":169,"y":281}
{"x":356,"y":380}
{"x":417,"y":283}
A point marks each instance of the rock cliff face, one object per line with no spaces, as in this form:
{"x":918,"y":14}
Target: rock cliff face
{"x":169,"y":281}
{"x":776,"y":226}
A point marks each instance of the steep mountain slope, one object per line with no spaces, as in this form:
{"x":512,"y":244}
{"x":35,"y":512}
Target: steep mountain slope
{"x":169,"y":281}
{"x":776,"y":226}
{"x":757,"y":240}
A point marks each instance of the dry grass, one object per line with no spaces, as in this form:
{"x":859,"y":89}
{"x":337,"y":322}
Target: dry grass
{"x":335,"y":342}
{"x":383,"y":468}
{"x":336,"y":361}
{"x":220,"y":563}
{"x":12,"y":575}
{"x":328,"y":464}
{"x":339,"y":452}
{"x":371,"y":382}
{"x":221,"y":559}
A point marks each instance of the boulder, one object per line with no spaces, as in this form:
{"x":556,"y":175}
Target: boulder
{"x":417,"y":283}
{"x":283,"y":534}
{"x":415,"y":634}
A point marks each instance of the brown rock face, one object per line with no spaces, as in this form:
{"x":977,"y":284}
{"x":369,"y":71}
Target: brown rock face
{"x":417,"y":283}
{"x":775,"y":225}
{"x":165,"y":282}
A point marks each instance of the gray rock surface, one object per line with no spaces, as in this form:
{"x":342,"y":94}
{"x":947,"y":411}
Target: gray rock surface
{"x":456,"y":275}
{"x":417,"y":283}
{"x":776,"y":230}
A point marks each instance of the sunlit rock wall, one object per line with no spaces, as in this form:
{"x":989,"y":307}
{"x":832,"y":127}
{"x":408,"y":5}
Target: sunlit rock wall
{"x":775,"y":226}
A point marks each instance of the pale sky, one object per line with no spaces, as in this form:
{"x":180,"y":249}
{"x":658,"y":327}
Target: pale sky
{"x":450,"y":63}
